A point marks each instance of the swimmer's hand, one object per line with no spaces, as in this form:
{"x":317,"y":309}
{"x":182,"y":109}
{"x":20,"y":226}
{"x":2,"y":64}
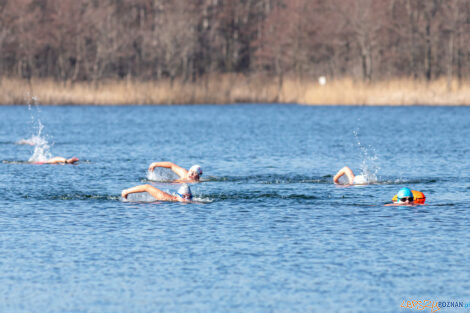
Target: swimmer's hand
{"x":124,"y":194}
{"x":152,"y":166}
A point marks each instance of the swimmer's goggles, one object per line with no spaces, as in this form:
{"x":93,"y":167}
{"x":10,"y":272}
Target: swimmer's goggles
{"x":183,"y":197}
{"x":404,"y":199}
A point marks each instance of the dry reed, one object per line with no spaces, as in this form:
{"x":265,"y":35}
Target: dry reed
{"x":222,"y":89}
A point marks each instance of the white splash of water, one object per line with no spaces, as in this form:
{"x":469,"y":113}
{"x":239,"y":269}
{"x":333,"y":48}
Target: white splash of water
{"x":36,"y":139}
{"x":160,"y":174}
{"x":41,"y":154}
{"x":146,"y":197}
{"x":41,"y":146}
{"x":202,"y":200}
{"x":369,"y":167}
{"x":139,"y":197}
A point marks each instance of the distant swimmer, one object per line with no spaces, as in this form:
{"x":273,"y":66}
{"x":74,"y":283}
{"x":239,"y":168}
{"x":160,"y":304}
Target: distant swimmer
{"x":352,"y":179}
{"x":406,"y":196}
{"x":187,"y":176}
{"x":59,"y":160}
{"x":183,"y":195}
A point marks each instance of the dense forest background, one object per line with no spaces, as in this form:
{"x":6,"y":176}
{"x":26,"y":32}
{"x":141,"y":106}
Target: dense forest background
{"x":370,"y":40}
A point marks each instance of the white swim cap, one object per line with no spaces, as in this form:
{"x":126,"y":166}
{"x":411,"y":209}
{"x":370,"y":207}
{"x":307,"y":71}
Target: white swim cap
{"x":184,"y":191}
{"x":360,"y":180}
{"x":196,"y":169}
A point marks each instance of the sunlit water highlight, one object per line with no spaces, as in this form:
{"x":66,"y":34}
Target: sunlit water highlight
{"x":270,"y":232}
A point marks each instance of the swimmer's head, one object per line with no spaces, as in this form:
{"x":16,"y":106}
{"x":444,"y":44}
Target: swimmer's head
{"x":72,"y":160}
{"x":195,"y":172}
{"x":405,"y":194}
{"x":185,"y":192}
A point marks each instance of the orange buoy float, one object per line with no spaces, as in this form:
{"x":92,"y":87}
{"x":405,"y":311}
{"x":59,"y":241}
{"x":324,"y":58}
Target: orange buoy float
{"x":418,"y":197}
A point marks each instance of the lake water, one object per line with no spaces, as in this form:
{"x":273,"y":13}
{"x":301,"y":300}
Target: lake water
{"x":271,"y":232}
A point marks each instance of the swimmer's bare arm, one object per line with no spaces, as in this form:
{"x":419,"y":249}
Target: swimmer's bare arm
{"x":344,"y":171}
{"x":56,"y":160}
{"x":155,"y":192}
{"x":178,"y":170}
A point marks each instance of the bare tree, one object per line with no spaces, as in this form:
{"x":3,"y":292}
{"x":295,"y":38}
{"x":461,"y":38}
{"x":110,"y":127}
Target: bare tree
{"x":91,"y":40}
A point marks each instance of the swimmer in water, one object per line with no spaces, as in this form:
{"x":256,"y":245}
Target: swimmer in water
{"x":59,"y":160}
{"x":404,"y":197}
{"x":183,"y":195}
{"x":187,"y":176}
{"x":352,"y":179}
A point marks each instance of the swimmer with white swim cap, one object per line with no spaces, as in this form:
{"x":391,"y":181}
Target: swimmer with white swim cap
{"x":183,"y":195}
{"x":188,"y":176}
{"x":352,"y":179}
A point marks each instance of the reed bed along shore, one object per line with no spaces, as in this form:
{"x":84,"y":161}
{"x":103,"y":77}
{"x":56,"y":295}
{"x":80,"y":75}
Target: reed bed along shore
{"x":224,"y":89}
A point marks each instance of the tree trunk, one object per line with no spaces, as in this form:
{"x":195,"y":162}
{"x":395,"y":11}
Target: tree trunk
{"x":450,"y":60}
{"x":413,"y":39}
{"x":366,"y":64}
{"x":459,"y":57}
{"x":280,"y":76}
{"x":428,"y":52}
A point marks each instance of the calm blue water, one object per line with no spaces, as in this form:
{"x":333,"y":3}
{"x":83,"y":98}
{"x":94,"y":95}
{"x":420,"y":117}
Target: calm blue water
{"x":272,"y":232}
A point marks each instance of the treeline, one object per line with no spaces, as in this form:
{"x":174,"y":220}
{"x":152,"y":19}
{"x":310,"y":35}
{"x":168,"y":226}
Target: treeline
{"x":149,"y":40}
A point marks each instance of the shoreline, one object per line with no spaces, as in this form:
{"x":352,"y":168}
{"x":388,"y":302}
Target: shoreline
{"x":236,"y":89}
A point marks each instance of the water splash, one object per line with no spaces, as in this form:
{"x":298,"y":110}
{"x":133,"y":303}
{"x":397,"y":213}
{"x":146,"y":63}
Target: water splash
{"x":38,"y":140}
{"x":144,"y":197}
{"x":41,"y":152}
{"x":161,"y":175}
{"x":139,"y":197}
{"x":202,"y":200}
{"x":369,"y":167}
